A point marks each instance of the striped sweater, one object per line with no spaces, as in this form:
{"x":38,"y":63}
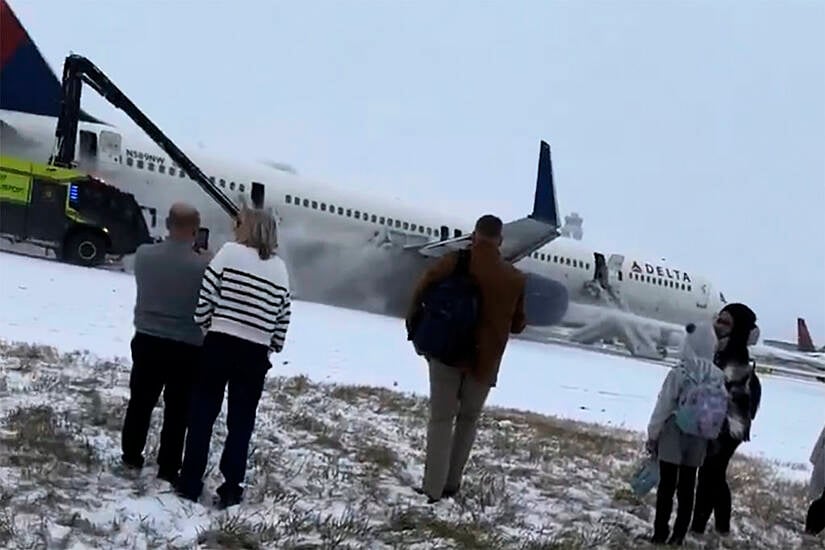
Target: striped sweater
{"x":244,"y":296}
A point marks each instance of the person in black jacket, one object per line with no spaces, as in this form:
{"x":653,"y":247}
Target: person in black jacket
{"x":815,"y":518}
{"x":736,"y":329}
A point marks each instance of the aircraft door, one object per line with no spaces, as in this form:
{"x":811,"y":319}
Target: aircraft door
{"x":600,"y":274}
{"x":614,"y":267}
{"x":704,"y":296}
{"x":109,"y":146}
{"x":86,"y":146}
{"x":257,"y":194}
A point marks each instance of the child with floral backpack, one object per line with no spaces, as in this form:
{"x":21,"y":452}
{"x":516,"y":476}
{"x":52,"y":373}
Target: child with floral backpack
{"x":690,"y":410}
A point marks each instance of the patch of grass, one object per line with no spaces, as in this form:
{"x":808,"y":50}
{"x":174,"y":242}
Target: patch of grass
{"x":382,"y":399}
{"x":573,"y":438}
{"x":600,"y":533}
{"x":413,"y":526}
{"x":532,"y":481}
{"x":37,"y":435}
{"x":377,"y":454}
{"x":8,"y":525}
{"x":32,"y":352}
{"x":307,"y":422}
{"x":773,"y":500}
{"x":297,"y":385}
{"x":329,"y":441}
{"x":95,"y":412}
{"x":237,"y":531}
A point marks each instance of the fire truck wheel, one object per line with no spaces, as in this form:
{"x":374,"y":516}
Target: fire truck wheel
{"x":86,"y":248}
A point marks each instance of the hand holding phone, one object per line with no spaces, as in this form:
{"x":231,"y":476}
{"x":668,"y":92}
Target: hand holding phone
{"x":201,"y":240}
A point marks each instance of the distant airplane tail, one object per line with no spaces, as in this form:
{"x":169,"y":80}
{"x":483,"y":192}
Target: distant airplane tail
{"x":27,"y":83}
{"x":803,"y":338}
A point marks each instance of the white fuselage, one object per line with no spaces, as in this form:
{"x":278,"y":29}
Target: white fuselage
{"x":336,"y":240}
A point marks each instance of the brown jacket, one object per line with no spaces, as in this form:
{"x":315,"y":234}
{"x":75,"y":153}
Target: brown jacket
{"x":502,"y":304}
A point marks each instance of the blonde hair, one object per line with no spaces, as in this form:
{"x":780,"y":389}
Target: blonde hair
{"x":257,"y":229}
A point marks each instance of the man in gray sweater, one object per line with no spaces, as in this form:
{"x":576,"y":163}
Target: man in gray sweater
{"x":166,"y":344}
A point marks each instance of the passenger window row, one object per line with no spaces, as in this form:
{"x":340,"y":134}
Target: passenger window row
{"x":560,"y":260}
{"x":660,"y":282}
{"x":140,"y":164}
{"x":366,"y":216}
{"x":422,"y":229}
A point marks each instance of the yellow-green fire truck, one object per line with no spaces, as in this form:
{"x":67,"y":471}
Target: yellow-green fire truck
{"x":80,"y":217}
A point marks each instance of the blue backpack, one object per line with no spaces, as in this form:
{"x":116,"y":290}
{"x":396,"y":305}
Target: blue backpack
{"x":446,"y":326}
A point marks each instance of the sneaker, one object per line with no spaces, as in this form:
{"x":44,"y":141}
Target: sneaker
{"x":132,"y":463}
{"x":182,"y":493}
{"x":224,"y":502}
{"x":430,"y":500}
{"x":449,"y":493}
{"x":228,"y":496}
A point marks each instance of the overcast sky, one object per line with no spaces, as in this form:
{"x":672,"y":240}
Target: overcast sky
{"x":691,"y":131}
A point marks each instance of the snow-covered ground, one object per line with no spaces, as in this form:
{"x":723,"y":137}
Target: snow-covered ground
{"x":334,"y":462}
{"x":74,"y":308}
{"x":331,"y":466}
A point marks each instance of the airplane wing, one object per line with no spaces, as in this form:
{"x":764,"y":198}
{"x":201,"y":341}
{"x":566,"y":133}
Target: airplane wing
{"x":523,"y":236}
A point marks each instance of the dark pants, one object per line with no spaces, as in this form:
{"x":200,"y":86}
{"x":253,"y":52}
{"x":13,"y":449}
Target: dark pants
{"x":242,"y":365}
{"x":672,"y":476}
{"x":815,"y":522}
{"x":712,"y":491}
{"x":158,"y":364}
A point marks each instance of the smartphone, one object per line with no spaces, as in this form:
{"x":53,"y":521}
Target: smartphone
{"x":202,"y":239}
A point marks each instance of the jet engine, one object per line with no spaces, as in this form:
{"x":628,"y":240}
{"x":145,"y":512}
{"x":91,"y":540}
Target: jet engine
{"x":545,"y":300}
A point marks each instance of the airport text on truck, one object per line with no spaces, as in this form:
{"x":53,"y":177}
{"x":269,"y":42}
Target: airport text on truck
{"x":80,"y":217}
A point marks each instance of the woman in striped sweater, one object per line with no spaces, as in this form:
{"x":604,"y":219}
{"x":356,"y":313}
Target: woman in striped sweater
{"x":244,"y":310}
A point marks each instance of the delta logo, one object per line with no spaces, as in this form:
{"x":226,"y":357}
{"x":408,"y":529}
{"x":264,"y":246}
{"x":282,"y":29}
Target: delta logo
{"x":660,"y":271}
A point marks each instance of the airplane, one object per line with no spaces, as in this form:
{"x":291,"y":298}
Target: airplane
{"x":802,"y":354}
{"x":804,"y":343}
{"x":345,"y":248}
{"x":357,"y":249}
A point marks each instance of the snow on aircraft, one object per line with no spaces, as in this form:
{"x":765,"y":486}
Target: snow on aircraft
{"x":356,"y":249}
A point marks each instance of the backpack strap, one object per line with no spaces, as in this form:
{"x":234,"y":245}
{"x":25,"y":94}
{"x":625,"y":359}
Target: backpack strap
{"x":463,"y":265}
{"x":755,"y":390}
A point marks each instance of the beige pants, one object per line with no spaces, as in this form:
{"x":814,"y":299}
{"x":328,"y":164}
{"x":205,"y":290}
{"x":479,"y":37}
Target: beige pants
{"x":455,"y":398}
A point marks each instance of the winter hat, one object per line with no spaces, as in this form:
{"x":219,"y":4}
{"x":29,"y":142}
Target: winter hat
{"x":744,"y":323}
{"x":744,"y":333}
{"x":700,"y":342}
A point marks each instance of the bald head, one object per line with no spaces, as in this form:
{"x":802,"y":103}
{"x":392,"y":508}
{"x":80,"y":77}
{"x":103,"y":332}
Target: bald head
{"x":183,"y":221}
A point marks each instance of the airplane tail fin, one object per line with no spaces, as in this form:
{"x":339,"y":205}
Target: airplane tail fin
{"x":545,"y":204}
{"x":29,"y":85}
{"x":803,"y":341}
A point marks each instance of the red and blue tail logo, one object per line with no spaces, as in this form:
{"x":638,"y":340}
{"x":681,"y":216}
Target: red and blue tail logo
{"x":27,"y":83}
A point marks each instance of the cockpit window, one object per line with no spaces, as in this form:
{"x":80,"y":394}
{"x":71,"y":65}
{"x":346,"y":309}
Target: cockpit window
{"x":722,"y":297}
